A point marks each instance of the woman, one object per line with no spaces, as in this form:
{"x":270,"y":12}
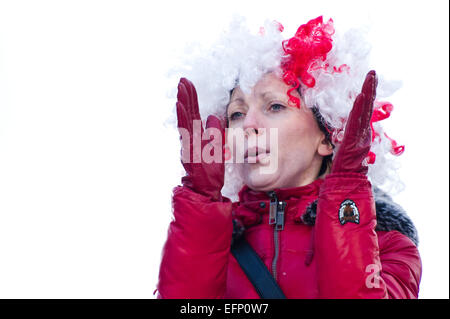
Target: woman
{"x":311,"y":217}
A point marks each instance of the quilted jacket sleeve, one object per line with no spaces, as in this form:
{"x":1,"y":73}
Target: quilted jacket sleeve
{"x":401,"y":265}
{"x":195,"y":255}
{"x":350,"y":262}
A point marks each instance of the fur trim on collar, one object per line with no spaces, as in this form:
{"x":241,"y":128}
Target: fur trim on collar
{"x":390,"y":216}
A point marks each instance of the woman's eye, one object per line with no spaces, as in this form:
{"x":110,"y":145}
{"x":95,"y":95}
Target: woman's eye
{"x":235,"y":116}
{"x":277,"y":107}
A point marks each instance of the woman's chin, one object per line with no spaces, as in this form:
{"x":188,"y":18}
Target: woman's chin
{"x":260,"y":182}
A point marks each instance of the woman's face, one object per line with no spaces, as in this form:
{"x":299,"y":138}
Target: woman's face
{"x":282,"y":145}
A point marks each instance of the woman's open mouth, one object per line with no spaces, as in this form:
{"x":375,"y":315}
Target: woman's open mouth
{"x":255,"y":155}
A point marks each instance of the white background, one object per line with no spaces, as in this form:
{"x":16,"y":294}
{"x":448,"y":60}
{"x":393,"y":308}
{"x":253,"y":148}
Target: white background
{"x":87,"y":167}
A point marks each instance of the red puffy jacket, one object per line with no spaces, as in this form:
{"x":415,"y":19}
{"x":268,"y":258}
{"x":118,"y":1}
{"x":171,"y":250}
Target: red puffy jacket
{"x":375,"y":256}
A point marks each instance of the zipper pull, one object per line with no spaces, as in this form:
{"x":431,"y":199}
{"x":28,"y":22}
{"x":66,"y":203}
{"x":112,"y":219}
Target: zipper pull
{"x":273,"y":208}
{"x":280,"y":216}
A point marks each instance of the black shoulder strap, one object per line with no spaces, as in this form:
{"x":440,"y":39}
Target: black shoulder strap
{"x":256,"y":271}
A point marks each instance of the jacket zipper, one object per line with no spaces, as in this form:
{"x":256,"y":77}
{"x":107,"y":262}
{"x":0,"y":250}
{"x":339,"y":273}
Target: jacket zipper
{"x":276,"y":218}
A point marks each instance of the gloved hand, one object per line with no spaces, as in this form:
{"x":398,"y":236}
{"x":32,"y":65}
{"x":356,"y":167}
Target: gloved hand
{"x":358,"y":134}
{"x":202,"y":177}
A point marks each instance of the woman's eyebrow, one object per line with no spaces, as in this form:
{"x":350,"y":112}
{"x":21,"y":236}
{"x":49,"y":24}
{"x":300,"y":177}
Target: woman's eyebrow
{"x":268,"y":94}
{"x":238,"y":99}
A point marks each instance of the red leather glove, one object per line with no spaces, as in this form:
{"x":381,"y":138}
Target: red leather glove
{"x":202,"y":177}
{"x":358,"y":134}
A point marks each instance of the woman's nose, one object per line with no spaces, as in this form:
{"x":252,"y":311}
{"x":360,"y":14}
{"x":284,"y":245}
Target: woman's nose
{"x":252,"y":123}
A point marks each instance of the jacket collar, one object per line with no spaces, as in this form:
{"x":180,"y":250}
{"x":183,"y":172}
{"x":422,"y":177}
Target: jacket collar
{"x":253,"y":206}
{"x":246,"y":194}
{"x":302,"y":202}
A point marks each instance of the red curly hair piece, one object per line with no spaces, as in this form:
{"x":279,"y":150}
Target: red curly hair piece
{"x":306,"y":51}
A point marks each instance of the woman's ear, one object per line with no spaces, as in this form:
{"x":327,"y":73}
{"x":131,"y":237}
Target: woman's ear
{"x":325,"y":147}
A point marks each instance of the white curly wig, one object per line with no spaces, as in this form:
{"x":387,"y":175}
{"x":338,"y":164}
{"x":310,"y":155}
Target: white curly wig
{"x":241,"y":57}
